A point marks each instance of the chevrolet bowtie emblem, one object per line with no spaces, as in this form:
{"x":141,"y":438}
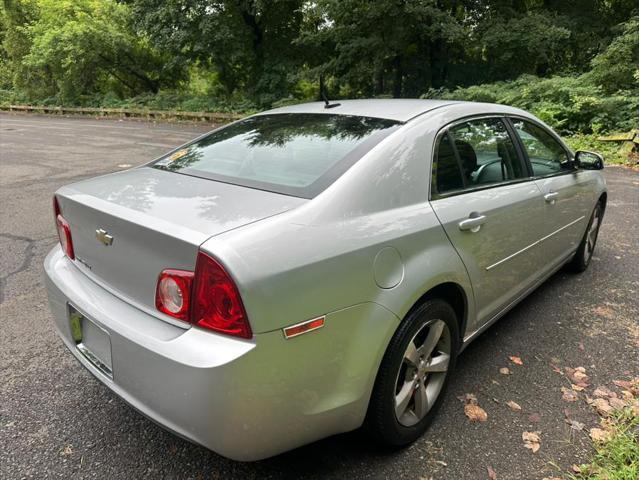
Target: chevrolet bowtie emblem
{"x":104,"y":237}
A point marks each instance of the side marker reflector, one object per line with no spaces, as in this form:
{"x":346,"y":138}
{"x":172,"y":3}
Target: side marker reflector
{"x":304,"y":327}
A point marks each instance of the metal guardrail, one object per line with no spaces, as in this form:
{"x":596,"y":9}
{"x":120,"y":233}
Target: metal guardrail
{"x":218,"y":117}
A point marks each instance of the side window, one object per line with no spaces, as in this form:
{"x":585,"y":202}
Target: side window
{"x":486,"y":152}
{"x":546,"y":155}
{"x":446,"y":173}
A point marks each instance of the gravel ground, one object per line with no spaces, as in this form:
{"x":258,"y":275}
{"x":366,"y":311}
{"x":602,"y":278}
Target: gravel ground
{"x":57,"y":421}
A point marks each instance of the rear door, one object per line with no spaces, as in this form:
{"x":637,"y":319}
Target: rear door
{"x":566,"y":192}
{"x":490,"y":209}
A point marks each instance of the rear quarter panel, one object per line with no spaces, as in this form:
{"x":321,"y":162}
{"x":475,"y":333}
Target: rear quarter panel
{"x":320,"y":257}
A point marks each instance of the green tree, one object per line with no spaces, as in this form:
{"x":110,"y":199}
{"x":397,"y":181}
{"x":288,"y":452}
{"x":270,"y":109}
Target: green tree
{"x":15,"y":16}
{"x":530,"y":43}
{"x":72,"y":48}
{"x":396,"y":46}
{"x":248,"y":42}
{"x":617,"y":67}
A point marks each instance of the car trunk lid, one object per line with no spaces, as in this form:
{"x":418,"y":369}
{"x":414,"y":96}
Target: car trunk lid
{"x":156,"y":220}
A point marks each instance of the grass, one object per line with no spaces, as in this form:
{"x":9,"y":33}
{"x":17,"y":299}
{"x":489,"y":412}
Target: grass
{"x":618,"y":457}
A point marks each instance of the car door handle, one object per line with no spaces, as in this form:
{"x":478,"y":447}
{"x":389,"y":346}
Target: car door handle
{"x":472,"y":223}
{"x":550,"y":197}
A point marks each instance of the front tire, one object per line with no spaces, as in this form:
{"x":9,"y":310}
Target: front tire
{"x":414,"y":374}
{"x":582,"y":257}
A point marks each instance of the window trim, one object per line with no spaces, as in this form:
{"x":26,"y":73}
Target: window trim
{"x":435,"y":195}
{"x":569,"y":154}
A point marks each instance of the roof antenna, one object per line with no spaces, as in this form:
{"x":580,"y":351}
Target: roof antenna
{"x":328,"y":104}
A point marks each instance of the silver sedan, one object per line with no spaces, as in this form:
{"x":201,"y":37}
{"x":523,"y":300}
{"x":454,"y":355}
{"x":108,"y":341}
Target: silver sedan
{"x":315,"y":268}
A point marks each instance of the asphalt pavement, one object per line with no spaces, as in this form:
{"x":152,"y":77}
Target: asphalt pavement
{"x":57,"y":421}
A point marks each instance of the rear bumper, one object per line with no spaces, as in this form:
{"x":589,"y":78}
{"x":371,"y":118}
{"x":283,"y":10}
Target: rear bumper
{"x":244,"y":399}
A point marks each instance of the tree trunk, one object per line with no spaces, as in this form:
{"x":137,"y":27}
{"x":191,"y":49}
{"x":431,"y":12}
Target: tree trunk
{"x":379,"y":81}
{"x":257,"y":37}
{"x":399,"y":76}
{"x":322,"y":88}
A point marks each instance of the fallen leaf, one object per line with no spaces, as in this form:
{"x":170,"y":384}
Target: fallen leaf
{"x":531,"y":440}
{"x":576,"y":468}
{"x":475,"y":413}
{"x":575,"y":425}
{"x":581,"y":346}
{"x":617,"y":403}
{"x":513,"y":406}
{"x":599,"y":435}
{"x":516,"y":360}
{"x":67,"y":450}
{"x":534,"y":418}
{"x":577,"y":388}
{"x":568,"y":395}
{"x":603,"y":392}
{"x":602,"y":406}
{"x":505,"y":371}
{"x":556,"y":369}
{"x":623,"y":384}
{"x":579,"y":375}
{"x":632,"y":386}
{"x":492,"y":475}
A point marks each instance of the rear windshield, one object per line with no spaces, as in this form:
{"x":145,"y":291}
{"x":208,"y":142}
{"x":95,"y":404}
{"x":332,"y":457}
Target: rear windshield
{"x":294,"y":154}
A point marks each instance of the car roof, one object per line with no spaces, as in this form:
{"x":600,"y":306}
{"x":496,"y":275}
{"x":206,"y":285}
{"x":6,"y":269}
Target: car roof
{"x":399,"y":109}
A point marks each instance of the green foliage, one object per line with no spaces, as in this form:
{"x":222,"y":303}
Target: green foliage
{"x":571,"y":104}
{"x":532,"y":43}
{"x":73,"y":48}
{"x":249,"y":43}
{"x":618,"y":457}
{"x":611,"y":151}
{"x":395,"y":47}
{"x":617,"y":67}
{"x":575,"y":64}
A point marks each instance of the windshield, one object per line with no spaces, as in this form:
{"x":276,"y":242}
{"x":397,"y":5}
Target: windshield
{"x":294,"y":154}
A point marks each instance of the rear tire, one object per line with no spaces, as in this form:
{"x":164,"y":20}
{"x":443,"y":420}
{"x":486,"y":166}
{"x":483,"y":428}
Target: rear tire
{"x":581,"y":260}
{"x":412,"y":380}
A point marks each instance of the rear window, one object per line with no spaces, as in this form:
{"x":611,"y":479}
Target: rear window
{"x":293,"y":154}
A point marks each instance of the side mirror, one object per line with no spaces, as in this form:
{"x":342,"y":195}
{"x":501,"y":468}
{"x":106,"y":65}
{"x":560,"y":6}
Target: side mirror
{"x":589,"y":160}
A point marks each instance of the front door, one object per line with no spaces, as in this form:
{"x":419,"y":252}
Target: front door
{"x":566,"y":192}
{"x":490,"y":210}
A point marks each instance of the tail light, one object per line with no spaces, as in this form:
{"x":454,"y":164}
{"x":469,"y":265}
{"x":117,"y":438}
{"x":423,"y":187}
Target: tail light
{"x":207,"y":298}
{"x":217,"y":304}
{"x":64,"y":230}
{"x":173,"y":293}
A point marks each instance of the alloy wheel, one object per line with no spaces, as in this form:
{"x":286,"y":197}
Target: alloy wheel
{"x":591,"y":236}
{"x":422,"y":373}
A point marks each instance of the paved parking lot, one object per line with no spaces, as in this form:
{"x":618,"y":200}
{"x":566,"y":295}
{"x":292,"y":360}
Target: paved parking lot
{"x":56,"y":421}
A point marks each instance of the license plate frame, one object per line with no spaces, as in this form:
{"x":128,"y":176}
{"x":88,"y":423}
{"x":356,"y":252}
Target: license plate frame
{"x":92,"y":341}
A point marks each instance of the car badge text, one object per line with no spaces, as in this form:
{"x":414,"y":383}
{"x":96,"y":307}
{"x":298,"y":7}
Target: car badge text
{"x":103,"y":236}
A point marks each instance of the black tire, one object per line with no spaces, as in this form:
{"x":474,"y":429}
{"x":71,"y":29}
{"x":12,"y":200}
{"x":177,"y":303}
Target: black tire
{"x":381,"y":420}
{"x":581,"y":260}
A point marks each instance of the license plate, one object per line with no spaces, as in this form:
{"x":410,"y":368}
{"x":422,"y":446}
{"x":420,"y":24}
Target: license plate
{"x":92,"y":341}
